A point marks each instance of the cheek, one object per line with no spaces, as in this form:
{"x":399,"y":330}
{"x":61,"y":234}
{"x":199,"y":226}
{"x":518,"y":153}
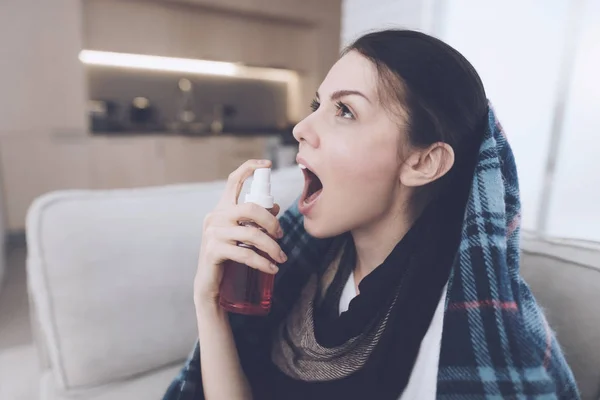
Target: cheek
{"x":360,"y":180}
{"x":360,"y":187}
{"x":367,"y":164}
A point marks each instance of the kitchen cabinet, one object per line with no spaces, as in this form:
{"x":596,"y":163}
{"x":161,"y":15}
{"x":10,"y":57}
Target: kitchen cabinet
{"x":305,"y":11}
{"x":181,"y":30}
{"x":197,"y":160}
{"x":238,"y":151}
{"x":125,"y":162}
{"x":33,"y":166}
{"x":191,"y":160}
{"x":128,"y":27}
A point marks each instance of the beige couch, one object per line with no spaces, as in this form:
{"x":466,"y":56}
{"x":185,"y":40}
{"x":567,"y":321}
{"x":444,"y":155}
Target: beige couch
{"x":110,"y":279}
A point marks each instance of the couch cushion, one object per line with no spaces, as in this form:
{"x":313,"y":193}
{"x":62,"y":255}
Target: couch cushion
{"x":111,"y":274}
{"x":564,"y":276}
{"x":151,"y":385}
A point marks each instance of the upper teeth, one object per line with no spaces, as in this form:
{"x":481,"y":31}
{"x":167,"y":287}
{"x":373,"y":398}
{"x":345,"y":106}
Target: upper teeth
{"x":302,"y":166}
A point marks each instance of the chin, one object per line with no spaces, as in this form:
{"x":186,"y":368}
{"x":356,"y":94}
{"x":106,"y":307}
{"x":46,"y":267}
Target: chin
{"x":319,"y":229}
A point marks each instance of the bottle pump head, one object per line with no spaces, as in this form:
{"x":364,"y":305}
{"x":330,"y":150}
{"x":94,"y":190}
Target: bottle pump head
{"x":260,"y":189}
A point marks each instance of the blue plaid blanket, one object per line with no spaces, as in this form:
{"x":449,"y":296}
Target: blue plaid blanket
{"x":496,"y":342}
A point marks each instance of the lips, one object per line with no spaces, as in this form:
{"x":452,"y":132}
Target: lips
{"x":313,"y":187}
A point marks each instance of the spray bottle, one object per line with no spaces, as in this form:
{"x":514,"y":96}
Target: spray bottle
{"x":245,"y":290}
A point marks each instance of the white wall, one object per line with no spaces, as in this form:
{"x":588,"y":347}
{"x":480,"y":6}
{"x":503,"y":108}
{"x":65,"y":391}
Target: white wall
{"x":42,"y":90}
{"x":575,"y":200}
{"x":360,"y":16}
{"x":516,"y":47}
{"x":41,"y":79}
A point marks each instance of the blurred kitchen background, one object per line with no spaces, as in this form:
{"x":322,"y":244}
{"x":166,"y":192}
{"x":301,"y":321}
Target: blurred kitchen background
{"x":106,"y":94}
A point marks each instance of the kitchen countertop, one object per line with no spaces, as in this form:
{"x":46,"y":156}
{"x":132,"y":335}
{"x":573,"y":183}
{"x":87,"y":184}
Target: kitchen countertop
{"x":229,"y":132}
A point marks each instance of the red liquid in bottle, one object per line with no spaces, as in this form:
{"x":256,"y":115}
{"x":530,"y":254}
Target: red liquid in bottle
{"x":245,"y":290}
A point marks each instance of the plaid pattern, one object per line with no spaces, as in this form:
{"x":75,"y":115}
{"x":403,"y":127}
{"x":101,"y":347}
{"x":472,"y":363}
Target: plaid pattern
{"x":496,"y":343}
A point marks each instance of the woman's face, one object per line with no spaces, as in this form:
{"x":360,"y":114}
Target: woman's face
{"x":351,"y":143}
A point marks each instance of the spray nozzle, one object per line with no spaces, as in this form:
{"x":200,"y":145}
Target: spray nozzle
{"x":260,"y":188}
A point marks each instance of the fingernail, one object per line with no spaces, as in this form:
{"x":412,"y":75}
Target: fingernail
{"x":283,"y":256}
{"x":274,"y":267}
{"x":263,"y":162}
{"x":279,"y":233}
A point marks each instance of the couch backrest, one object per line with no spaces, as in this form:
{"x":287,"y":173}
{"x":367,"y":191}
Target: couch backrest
{"x":565,"y":279}
{"x":110,"y":275}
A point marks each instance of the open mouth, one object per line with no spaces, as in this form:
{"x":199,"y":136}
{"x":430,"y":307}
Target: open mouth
{"x":312,"y":186}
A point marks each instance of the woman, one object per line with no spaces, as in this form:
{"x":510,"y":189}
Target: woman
{"x":399,"y":264}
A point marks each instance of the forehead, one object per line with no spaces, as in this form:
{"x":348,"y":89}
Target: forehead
{"x":351,"y":72}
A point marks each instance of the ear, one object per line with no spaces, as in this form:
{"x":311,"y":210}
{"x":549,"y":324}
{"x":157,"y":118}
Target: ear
{"x":424,"y":166}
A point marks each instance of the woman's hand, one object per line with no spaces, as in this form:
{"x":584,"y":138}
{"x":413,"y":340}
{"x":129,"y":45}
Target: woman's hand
{"x":222,"y":232}
{"x":222,"y":374}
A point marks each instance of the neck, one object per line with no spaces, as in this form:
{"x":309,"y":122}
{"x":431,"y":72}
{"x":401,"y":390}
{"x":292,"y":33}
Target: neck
{"x":376,"y":241}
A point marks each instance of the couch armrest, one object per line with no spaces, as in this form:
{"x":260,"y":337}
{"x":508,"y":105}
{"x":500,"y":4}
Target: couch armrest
{"x":110,"y":276}
{"x":565,"y":277}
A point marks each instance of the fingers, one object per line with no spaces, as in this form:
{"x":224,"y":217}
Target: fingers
{"x":236,"y":179}
{"x":275,"y":210}
{"x":233,"y":216}
{"x":248,"y":257}
{"x":258,"y":215}
{"x":254,"y":237}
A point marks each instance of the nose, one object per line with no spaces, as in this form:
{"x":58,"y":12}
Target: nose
{"x":304,"y":131}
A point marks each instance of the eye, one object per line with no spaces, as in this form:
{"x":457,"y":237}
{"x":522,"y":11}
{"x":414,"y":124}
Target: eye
{"x":314,"y":105}
{"x":343,"y":111}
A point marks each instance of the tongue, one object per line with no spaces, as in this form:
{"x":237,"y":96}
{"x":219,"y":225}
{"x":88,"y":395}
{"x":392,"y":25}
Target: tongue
{"x":311,"y":197}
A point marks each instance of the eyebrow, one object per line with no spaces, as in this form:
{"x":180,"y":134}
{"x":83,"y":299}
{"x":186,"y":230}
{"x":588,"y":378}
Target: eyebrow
{"x":338,"y":94}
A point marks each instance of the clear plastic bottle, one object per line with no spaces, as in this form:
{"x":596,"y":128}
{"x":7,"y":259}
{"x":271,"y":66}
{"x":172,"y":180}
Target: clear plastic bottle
{"x":245,"y":290}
